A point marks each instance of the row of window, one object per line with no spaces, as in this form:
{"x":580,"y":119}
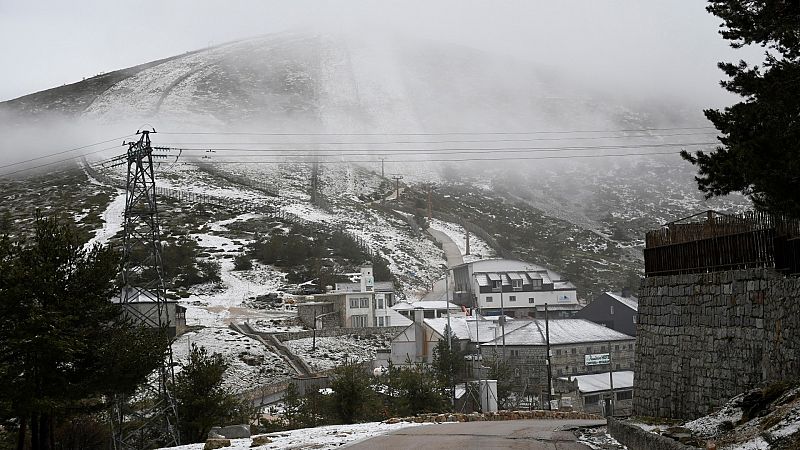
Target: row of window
{"x":590,"y":349}
{"x":363,"y":302}
{"x":360,"y":321}
{"x":516,"y":284}
{"x":511,"y":298}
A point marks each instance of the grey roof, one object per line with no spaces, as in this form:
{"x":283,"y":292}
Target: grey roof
{"x":631,"y":302}
{"x":562,"y":331}
{"x":428,"y":304}
{"x":468,"y":328}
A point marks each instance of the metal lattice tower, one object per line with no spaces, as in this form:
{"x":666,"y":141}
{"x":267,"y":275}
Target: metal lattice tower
{"x":143,"y":301}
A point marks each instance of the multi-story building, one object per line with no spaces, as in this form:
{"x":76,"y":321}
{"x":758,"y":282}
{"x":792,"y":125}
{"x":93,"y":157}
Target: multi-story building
{"x":577,"y":347}
{"x":358,"y":305}
{"x":517,"y":288}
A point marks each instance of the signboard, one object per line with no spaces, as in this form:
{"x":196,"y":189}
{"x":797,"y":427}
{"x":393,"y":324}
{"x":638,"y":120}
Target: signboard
{"x":563,"y":299}
{"x":597,"y":359}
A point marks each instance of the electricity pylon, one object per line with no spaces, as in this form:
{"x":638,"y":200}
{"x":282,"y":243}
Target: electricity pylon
{"x":153,"y":422}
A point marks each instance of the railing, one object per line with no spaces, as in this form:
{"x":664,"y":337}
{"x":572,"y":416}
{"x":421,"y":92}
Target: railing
{"x":724,"y":242}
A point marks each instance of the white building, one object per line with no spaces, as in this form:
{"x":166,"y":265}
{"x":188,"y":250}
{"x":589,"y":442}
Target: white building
{"x":518,"y":288}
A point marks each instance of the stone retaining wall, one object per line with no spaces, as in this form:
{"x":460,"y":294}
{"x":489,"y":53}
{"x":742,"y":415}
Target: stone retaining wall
{"x":636,"y":438}
{"x":499,"y":415}
{"x":704,"y":338}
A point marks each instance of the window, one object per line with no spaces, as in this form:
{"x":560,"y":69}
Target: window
{"x":574,"y":350}
{"x":560,"y":372}
{"x":364,"y":302}
{"x":380,"y":303}
{"x":612,"y":310}
{"x":558,"y":352}
{"x":489,"y":299}
{"x":616,"y":347}
{"x":354,"y":303}
{"x":380,"y":322}
{"x":530,"y":299}
{"x":516,"y":285}
{"x":514,"y":352}
{"x":588,"y":349}
{"x":497,"y":284}
{"x":537,"y":283}
{"x":618,"y":367}
{"x":388,"y":324}
{"x":602,"y":348}
{"x":624,"y":395}
{"x":591,"y":399}
{"x":574,"y":370}
{"x":634,"y":318}
{"x":512,"y":298}
{"x":359,"y":321}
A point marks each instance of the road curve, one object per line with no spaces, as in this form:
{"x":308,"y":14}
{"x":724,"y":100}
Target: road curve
{"x":511,"y":434}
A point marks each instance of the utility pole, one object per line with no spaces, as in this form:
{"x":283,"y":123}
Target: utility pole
{"x":314,"y":335}
{"x":382,"y":158}
{"x":549,"y":366}
{"x":502,"y":318}
{"x":314,"y":181}
{"x":143,"y":300}
{"x":449,"y":340}
{"x":611,"y":380}
{"x":397,"y":179}
{"x":430,"y":205}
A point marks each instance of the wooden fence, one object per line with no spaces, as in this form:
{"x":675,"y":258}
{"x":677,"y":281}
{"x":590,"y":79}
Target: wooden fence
{"x":724,"y":242}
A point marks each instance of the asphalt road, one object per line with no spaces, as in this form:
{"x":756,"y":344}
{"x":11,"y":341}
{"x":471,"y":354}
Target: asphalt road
{"x":510,"y":434}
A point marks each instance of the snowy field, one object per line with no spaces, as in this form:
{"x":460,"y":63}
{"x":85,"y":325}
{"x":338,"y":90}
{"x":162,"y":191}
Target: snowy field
{"x":320,"y":438}
{"x":251,"y":364}
{"x":334,"y":351}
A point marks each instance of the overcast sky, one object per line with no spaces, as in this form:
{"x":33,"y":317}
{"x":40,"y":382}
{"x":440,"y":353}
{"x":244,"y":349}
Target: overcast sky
{"x":642,"y":45}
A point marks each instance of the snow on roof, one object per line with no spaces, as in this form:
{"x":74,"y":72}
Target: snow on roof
{"x":514,"y":275}
{"x":468,"y":328}
{"x":509,"y":265}
{"x":493,"y":276}
{"x":562,"y":331}
{"x":631,"y":302}
{"x":429,"y":304}
{"x":598,"y":382}
{"x":482,"y":279}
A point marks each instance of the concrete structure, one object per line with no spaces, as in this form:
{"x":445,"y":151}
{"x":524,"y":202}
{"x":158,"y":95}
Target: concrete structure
{"x":519,"y":288}
{"x":592,"y":390}
{"x":175,"y":314}
{"x":704,"y":338}
{"x":577,"y":346}
{"x":363,"y":304}
{"x":615,"y":310}
{"x":430,"y":309}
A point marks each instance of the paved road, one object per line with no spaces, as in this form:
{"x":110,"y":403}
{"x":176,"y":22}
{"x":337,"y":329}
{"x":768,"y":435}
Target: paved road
{"x":454,"y":258}
{"x":510,"y":434}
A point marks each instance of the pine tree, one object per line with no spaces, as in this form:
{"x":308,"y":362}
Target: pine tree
{"x":61,"y":338}
{"x":760,"y":151}
{"x":202,"y":400}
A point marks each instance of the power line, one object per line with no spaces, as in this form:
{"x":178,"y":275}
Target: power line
{"x":512,"y":158}
{"x":452,"y":133}
{"x":448,"y":141}
{"x":437,"y":151}
{"x":63,"y":151}
{"x":38,"y":166}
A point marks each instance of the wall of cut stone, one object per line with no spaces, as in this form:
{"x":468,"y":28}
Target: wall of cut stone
{"x":704,"y":338}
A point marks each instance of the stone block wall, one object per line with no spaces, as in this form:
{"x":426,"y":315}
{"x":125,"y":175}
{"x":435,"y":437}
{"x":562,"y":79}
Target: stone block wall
{"x":704,"y":338}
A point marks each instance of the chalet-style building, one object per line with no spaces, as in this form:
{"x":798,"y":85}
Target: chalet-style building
{"x":518,"y":288}
{"x":354,"y":305}
{"x":615,"y":310}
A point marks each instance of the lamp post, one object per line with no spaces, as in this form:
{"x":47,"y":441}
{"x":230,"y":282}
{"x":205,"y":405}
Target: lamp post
{"x":314,"y":333}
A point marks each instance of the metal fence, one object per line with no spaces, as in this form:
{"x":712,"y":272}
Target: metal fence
{"x":723,"y":242}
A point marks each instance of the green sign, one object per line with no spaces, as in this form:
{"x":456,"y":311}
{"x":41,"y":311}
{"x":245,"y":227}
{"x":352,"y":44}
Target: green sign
{"x":597,"y":359}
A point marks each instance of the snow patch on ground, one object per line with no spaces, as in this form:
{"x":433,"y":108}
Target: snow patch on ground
{"x":251,"y":364}
{"x":113,"y":218}
{"x":708,"y":426}
{"x":321,"y":438}
{"x":332,"y":352}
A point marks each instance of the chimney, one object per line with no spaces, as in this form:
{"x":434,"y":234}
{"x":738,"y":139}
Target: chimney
{"x":367,"y":281}
{"x":626,"y":292}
